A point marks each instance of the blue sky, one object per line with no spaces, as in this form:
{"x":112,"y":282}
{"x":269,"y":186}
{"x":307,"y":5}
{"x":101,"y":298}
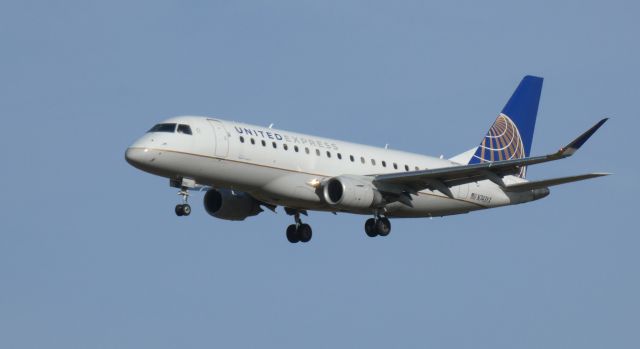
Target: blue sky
{"x":92,"y":256}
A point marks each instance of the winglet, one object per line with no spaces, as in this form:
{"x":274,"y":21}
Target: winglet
{"x":572,"y":147}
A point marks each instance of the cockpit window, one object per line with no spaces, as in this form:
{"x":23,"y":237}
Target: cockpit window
{"x":163,"y":128}
{"x":184,"y":129}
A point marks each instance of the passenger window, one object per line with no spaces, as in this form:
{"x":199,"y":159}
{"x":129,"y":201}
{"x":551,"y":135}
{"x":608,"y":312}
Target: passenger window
{"x":406,"y":167}
{"x":163,"y":128}
{"x":351,"y":158}
{"x":253,"y":141}
{"x":285,"y":146}
{"x":241,"y":139}
{"x":306,"y":150}
{"x":328,"y":154}
{"x":295,"y":148}
{"x":417,"y":168}
{"x":362,"y":159}
{"x":318,"y":152}
{"x":184,"y":129}
{"x":274,"y":145}
{"x":373,"y":162}
{"x":384,"y":163}
{"x":339,"y":156}
{"x":264,"y":144}
{"x":395,"y":166}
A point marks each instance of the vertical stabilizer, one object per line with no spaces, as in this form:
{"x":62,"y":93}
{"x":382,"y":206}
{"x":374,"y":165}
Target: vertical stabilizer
{"x":511,"y":135}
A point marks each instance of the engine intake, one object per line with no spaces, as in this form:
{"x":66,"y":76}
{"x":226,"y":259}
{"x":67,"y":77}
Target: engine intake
{"x":230,"y":205}
{"x":346,"y":192}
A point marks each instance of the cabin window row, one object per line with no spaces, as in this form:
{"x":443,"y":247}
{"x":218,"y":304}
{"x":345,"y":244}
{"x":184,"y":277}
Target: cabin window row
{"x":328,"y":153}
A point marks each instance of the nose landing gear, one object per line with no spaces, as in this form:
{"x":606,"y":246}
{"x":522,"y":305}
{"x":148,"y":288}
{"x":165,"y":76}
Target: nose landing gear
{"x":184,"y":184}
{"x":183,"y":209}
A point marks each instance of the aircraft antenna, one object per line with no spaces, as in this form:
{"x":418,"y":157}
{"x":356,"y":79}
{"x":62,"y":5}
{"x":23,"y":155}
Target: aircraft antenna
{"x":271,"y":125}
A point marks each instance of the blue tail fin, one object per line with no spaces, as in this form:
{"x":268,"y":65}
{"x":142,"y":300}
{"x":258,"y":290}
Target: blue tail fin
{"x":511,"y":135}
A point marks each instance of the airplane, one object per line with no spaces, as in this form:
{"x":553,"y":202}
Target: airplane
{"x":245,"y":168}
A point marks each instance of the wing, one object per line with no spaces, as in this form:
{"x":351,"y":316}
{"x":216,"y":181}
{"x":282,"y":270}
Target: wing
{"x":443,"y":178}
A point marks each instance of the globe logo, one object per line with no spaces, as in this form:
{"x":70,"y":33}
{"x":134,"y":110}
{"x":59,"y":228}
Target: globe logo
{"x":502,"y":142}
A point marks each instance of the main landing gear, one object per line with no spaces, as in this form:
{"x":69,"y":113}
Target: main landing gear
{"x":299,"y":232}
{"x":377,"y":226}
{"x":183,"y":209}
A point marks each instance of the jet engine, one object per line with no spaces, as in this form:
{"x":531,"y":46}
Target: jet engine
{"x":230,"y":205}
{"x":351,"y":193}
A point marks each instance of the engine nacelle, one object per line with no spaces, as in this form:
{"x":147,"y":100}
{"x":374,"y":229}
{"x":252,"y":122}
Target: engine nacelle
{"x":230,"y":205}
{"x":347,"y":192}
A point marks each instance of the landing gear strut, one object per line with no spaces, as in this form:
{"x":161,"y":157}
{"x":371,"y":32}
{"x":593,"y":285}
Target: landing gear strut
{"x":183,"y":209}
{"x":377,"y":226}
{"x":299,"y":232}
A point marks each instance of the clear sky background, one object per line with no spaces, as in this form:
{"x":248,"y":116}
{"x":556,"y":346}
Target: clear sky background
{"x":92,"y":255}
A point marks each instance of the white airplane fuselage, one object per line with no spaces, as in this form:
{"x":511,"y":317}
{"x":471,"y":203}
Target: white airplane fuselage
{"x":288,"y":169}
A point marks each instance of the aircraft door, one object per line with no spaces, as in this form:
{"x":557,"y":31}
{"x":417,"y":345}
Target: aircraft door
{"x":221,"y":142}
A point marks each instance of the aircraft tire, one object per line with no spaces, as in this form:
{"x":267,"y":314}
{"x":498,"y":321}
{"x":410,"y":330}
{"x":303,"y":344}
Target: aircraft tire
{"x":179,"y":211}
{"x":383,"y":226}
{"x":305,"y":233}
{"x":292,"y":234}
{"x":186,"y":209}
{"x":370,"y":228}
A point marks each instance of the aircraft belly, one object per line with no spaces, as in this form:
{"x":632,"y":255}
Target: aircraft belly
{"x":291,"y":189}
{"x":431,"y":205}
{"x":207,"y":170}
{"x":237,"y":175}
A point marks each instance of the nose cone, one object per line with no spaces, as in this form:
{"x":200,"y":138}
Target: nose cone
{"x":136,"y":157}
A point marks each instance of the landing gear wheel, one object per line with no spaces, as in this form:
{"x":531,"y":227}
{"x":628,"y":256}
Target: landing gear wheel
{"x":370,"y":228}
{"x":292,"y":234}
{"x":383,"y":226}
{"x":304,"y":232}
{"x":183,"y":210}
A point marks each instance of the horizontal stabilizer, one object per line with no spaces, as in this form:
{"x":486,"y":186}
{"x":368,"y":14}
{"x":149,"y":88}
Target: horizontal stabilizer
{"x":550,"y":182}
